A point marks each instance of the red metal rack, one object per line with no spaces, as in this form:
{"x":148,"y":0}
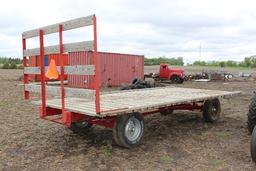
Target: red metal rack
{"x":60,"y":49}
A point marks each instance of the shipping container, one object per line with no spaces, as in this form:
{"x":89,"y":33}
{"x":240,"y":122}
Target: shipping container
{"x":115,"y":68}
{"x":35,"y":61}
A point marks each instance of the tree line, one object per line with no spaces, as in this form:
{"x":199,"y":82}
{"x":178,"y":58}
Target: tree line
{"x":156,"y":61}
{"x":247,"y":62}
{"x":10,"y":63}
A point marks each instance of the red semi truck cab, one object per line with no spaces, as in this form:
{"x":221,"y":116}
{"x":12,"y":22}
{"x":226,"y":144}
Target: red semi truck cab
{"x":174,"y":74}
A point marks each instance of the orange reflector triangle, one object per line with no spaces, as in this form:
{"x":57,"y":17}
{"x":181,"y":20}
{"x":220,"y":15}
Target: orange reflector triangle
{"x":52,"y":72}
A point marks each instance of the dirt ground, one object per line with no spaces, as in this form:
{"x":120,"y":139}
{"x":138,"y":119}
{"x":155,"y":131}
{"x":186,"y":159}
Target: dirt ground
{"x":181,"y":141}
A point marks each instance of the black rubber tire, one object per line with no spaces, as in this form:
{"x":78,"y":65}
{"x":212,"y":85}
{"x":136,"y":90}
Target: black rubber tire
{"x":80,"y":126}
{"x":119,"y":130}
{"x":137,"y":81}
{"x":166,"y":112}
{"x":251,"y":116}
{"x":253,"y":145}
{"x":181,"y":80}
{"x":211,"y":110}
{"x":177,"y":79}
{"x":134,"y":81}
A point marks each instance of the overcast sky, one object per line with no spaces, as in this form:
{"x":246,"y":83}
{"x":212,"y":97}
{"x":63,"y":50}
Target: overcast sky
{"x":226,"y":29}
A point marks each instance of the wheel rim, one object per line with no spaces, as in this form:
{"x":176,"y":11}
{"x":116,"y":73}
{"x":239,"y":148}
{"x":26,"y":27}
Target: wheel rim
{"x":132,"y":129}
{"x":175,"y":79}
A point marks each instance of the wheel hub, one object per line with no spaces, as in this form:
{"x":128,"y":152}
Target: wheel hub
{"x":214,"y":111}
{"x":132,"y":129}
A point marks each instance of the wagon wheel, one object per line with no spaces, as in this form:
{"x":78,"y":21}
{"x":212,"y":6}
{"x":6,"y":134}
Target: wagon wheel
{"x":80,"y":126}
{"x":211,"y":110}
{"x":251,"y":116}
{"x":253,"y":145}
{"x":128,"y":130}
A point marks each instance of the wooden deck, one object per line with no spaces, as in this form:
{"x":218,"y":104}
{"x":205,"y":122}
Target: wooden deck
{"x":119,"y":102}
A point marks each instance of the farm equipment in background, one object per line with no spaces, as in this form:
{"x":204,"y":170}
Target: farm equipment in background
{"x":140,"y":84}
{"x":175,"y":75}
{"x":197,"y":76}
{"x":209,"y":75}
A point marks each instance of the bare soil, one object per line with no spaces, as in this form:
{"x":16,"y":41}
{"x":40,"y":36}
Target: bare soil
{"x":181,"y":141}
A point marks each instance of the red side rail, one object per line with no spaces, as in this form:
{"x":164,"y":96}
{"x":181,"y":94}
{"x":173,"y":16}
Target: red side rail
{"x":25,"y":79}
{"x":61,"y":70}
{"x":43,"y":94}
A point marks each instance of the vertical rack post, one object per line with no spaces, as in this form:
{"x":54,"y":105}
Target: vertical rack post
{"x":43,"y":94}
{"x":61,"y":69}
{"x":25,"y":79}
{"x":96,"y":62}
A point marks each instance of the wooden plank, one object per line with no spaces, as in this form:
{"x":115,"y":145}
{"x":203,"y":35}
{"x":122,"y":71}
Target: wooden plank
{"x":138,"y":100}
{"x":33,"y":70}
{"x":56,"y":103}
{"x":54,"y":28}
{"x":69,"y":92}
{"x":68,"y":70}
{"x":55,"y":49}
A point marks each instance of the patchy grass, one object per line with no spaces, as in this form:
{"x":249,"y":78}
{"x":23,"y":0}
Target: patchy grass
{"x":166,"y":159}
{"x":108,"y":150}
{"x":217,"y":162}
{"x":206,"y":125}
{"x":223,"y":134}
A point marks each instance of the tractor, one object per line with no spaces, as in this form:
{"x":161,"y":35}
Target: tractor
{"x":251,"y":122}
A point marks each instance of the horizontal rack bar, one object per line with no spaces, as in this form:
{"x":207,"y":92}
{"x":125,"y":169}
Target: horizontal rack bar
{"x":69,"y":92}
{"x":55,"y":49}
{"x":67,"y":25}
{"x":68,"y":70}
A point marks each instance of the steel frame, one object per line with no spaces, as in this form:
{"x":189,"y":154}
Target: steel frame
{"x":66,"y":117}
{"x":108,"y":122}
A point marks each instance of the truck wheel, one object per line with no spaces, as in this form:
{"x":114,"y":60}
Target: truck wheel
{"x":211,"y":110}
{"x":128,"y":130}
{"x":181,"y":80}
{"x":80,"y":126}
{"x":251,"y":116}
{"x":176,"y":79}
{"x":253,"y":145}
